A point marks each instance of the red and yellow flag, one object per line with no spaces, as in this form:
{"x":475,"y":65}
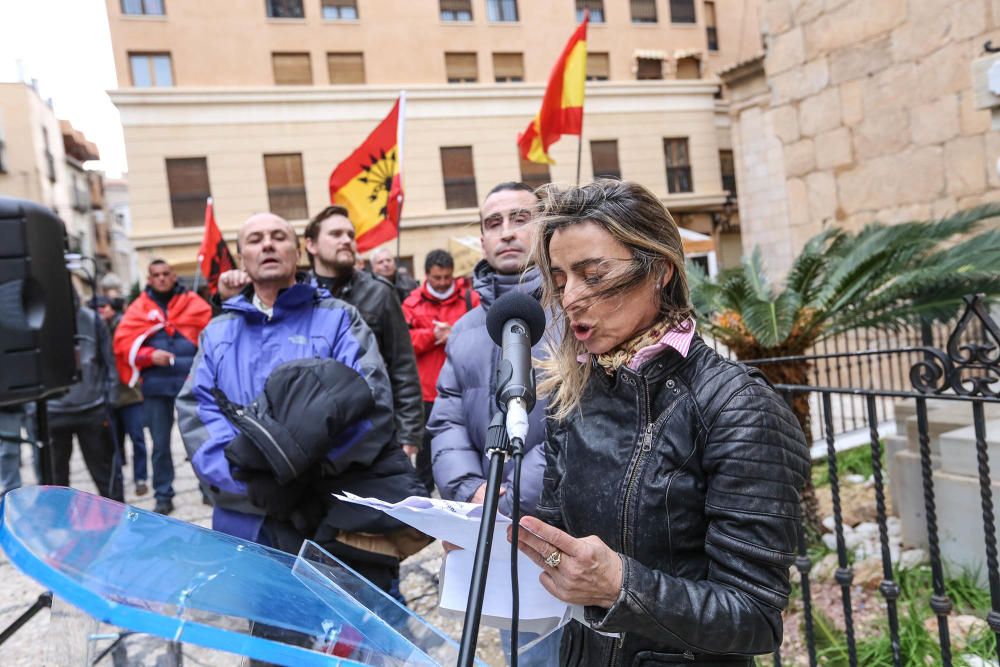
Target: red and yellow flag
{"x":214,"y":257}
{"x":369,"y":184}
{"x":562,"y":106}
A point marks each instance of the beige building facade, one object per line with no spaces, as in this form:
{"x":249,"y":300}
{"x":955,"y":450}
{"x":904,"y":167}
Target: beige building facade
{"x":860,"y":111}
{"x":32,"y":156}
{"x":42,"y":160}
{"x":255,"y":102}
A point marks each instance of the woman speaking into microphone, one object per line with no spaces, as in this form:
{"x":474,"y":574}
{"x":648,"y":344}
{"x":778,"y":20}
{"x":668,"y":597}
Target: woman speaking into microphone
{"x":670,"y":504}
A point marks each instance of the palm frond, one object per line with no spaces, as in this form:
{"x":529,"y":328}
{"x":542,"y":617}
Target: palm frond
{"x":756,"y":276}
{"x":771,"y":321}
{"x":704,"y":293}
{"x":804,"y":275}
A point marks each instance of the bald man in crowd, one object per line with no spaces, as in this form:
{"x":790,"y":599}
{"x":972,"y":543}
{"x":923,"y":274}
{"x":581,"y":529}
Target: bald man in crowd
{"x":269,"y":461}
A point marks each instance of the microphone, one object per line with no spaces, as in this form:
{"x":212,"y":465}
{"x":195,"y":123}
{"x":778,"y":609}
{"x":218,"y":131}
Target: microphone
{"x":516,"y":323}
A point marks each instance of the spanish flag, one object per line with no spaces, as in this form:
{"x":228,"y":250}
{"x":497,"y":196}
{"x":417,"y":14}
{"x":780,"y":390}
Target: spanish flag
{"x":562,"y":107}
{"x":369,"y":183}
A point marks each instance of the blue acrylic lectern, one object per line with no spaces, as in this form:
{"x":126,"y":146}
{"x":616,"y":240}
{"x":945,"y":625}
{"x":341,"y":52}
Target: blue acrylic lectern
{"x":161,"y":577}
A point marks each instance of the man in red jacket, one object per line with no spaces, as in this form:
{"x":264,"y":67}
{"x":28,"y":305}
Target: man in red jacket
{"x":430,"y":311}
{"x":155,"y":342}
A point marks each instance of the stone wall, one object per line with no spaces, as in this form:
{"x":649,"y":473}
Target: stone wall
{"x":872,"y":103}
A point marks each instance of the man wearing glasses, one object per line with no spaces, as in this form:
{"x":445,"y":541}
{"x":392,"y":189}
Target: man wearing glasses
{"x":465,"y":403}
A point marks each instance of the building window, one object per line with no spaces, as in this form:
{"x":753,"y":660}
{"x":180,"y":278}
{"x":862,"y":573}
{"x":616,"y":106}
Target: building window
{"x":643,"y":11}
{"x":501,"y":11}
{"x":292,"y":69}
{"x":508,"y":67}
{"x":80,"y":190}
{"x":598,"y":67}
{"x":534,"y":174}
{"x":648,"y":69}
{"x":682,"y":11}
{"x":711,"y":32}
{"x":340,"y":10}
{"x":688,"y":67}
{"x":50,"y":161}
{"x":285,"y":9}
{"x":604,"y":156}
{"x":345,"y":67}
{"x":596,"y":8}
{"x":456,"y":10}
{"x":461,"y":67}
{"x":142,"y":7}
{"x":459,"y":177}
{"x":151,"y":70}
{"x":678,"y":165}
{"x":728,"y":168}
{"x":187,"y":182}
{"x":286,"y":186}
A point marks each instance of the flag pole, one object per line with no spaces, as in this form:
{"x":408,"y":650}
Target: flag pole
{"x":201,"y":257}
{"x":579,"y":155}
{"x":400,"y":136}
{"x":579,"y":143}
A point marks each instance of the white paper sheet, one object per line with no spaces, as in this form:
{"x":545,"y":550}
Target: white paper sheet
{"x":458,"y":523}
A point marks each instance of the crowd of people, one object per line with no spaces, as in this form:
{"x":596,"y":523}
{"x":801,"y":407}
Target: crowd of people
{"x":660,"y":481}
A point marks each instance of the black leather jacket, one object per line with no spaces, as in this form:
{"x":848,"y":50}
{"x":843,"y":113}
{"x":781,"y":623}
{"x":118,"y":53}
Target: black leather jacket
{"x":690,"y":469}
{"x":375,"y":298}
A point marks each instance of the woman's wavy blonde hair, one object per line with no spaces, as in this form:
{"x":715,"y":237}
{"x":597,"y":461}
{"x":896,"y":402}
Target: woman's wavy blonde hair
{"x":637,"y":219}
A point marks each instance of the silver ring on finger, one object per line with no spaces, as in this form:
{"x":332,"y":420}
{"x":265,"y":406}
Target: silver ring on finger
{"x":553,"y":559}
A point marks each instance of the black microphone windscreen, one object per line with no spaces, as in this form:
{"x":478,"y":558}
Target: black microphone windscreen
{"x":520,"y":306}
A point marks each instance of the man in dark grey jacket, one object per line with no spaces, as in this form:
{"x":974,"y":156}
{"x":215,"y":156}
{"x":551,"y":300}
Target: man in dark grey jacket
{"x":83,"y":411}
{"x":466,"y":402}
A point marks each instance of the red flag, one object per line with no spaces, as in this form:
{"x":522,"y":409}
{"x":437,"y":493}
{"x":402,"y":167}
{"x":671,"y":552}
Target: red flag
{"x":213,"y":255}
{"x":369,"y":183}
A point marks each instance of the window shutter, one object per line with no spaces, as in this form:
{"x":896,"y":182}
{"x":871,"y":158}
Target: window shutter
{"x":291,"y":69}
{"x":598,"y":67}
{"x":643,"y":11}
{"x":187,"y":182}
{"x":508,"y":67}
{"x":461,"y":67}
{"x":604,"y":156}
{"x":286,"y":190}
{"x":459,"y":177}
{"x":346,"y":67}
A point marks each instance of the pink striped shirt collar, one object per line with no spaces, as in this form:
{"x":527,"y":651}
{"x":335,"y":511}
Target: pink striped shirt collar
{"x":679,"y":338}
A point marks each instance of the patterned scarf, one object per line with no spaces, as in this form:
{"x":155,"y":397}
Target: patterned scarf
{"x":614,"y":359}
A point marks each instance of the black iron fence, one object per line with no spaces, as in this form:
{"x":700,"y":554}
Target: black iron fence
{"x":963,"y":371}
{"x":884,"y":367}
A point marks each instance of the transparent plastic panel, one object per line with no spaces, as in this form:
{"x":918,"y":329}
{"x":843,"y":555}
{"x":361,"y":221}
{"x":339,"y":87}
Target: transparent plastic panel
{"x":154,"y":575}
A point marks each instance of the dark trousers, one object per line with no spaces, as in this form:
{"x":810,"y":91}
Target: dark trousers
{"x":130,"y":420}
{"x":425,"y":470}
{"x":93,"y":431}
{"x":160,"y":417}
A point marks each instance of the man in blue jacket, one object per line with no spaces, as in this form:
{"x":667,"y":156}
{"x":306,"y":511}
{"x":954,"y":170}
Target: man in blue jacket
{"x":466,"y":399}
{"x":275,"y":320}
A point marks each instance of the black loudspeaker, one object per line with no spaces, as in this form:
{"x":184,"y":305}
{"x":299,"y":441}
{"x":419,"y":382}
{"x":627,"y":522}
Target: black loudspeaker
{"x":38,"y":355}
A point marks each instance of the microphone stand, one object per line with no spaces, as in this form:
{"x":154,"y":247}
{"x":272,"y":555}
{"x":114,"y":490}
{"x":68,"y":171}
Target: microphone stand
{"x":499,"y":448}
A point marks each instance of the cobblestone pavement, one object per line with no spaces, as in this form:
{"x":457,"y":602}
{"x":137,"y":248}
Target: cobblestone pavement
{"x":32,"y":645}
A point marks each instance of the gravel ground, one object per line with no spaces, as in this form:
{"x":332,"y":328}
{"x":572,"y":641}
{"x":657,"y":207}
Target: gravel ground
{"x":36,"y":643}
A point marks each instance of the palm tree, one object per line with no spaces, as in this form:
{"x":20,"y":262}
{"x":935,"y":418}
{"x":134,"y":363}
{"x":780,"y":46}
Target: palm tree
{"x":883,"y":277}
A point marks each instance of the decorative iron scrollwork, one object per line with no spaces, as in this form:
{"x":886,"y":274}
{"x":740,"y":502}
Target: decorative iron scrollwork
{"x":970,"y":368}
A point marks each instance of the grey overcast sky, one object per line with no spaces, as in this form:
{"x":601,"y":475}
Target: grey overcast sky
{"x":66,"y":46}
